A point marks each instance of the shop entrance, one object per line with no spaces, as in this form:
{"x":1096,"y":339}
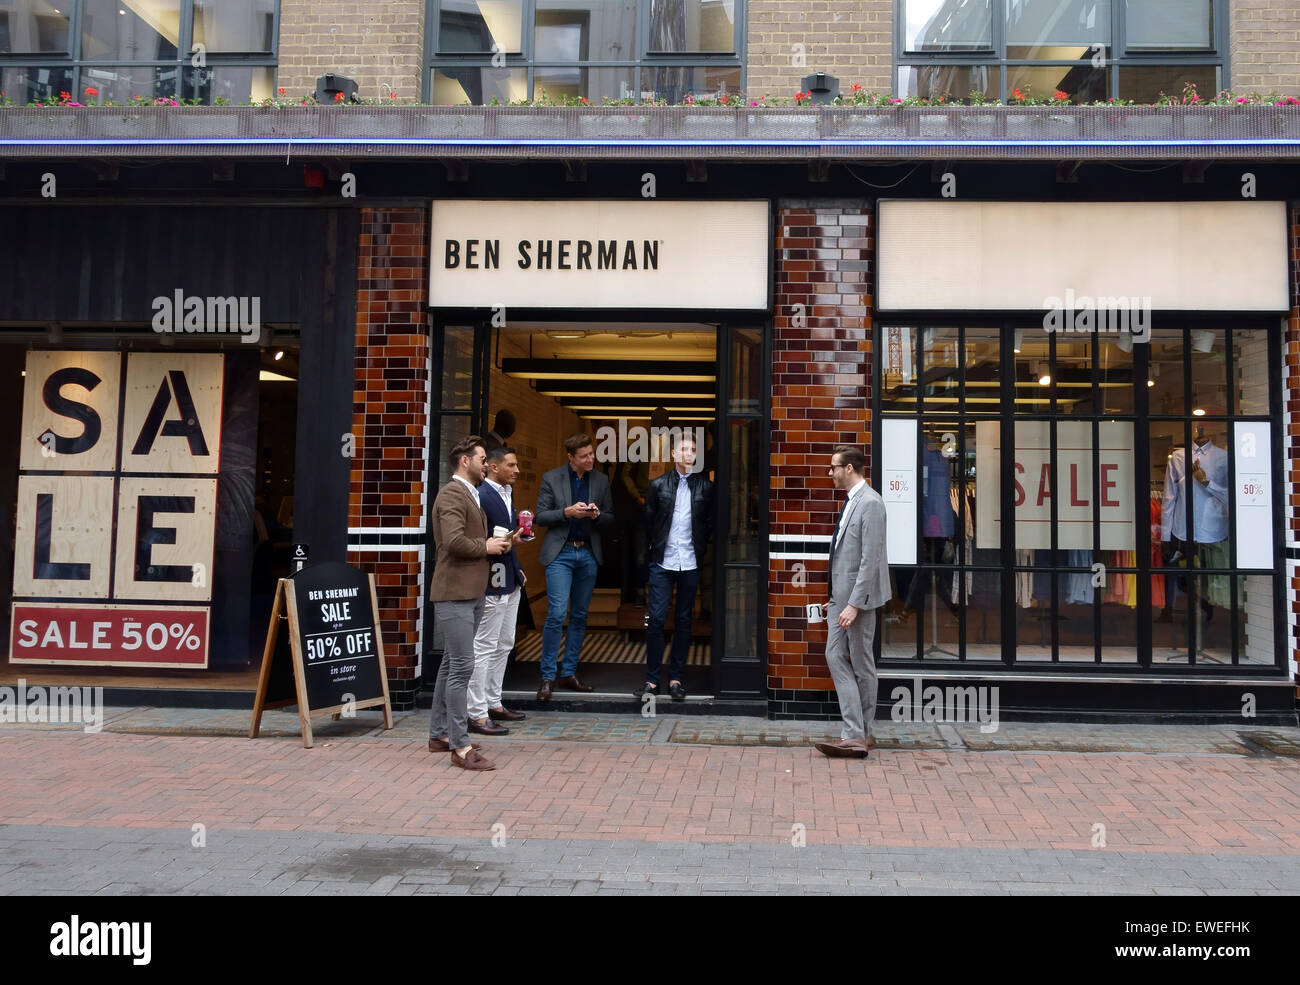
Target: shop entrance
{"x":634,"y":388}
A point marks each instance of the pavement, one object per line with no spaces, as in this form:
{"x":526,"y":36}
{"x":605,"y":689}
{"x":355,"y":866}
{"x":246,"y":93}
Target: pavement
{"x":181,"y":801}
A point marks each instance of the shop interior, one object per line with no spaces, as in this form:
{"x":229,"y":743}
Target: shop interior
{"x":1077,"y":604}
{"x":614,"y":382}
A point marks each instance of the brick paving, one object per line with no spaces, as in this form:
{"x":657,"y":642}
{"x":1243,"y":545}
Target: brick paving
{"x":649,"y":805}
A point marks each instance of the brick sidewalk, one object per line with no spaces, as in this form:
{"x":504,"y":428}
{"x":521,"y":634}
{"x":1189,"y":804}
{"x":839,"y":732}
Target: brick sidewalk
{"x":658,"y":792}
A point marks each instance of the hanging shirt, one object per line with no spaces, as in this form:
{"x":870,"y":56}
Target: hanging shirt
{"x":1209,"y":502}
{"x":679,"y":552}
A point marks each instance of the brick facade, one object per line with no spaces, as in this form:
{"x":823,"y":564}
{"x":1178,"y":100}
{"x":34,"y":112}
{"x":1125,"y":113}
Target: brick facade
{"x":851,"y":39}
{"x":390,"y":425}
{"x":821,"y":396}
{"x":1265,"y":45}
{"x":380,"y":45}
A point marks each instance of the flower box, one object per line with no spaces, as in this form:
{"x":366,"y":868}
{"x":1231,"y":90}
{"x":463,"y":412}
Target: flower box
{"x":54,"y":123}
{"x":879,"y":125}
{"x":128,"y":124}
{"x":216,"y":123}
{"x":805,"y":126}
{"x":450,"y":125}
{"x":532,"y":123}
{"x":619,"y":125}
{"x":281,"y":123}
{"x":722,"y":125}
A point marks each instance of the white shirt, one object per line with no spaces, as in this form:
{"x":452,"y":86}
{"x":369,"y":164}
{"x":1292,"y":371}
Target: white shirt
{"x":505,"y":495}
{"x":470,"y":487}
{"x":679,"y":553}
{"x":1209,"y":502}
{"x":853,"y":491}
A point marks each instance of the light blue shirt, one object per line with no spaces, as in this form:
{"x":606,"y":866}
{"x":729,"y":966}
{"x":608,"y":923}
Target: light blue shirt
{"x":679,"y":553}
{"x":1209,"y":502}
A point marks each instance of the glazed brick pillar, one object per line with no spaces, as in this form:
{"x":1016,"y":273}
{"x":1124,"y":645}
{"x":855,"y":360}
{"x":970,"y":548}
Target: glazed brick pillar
{"x":386,"y":506}
{"x":1291,"y":445}
{"x":821,"y":397}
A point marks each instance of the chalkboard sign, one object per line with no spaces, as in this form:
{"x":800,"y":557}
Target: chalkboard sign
{"x":335,"y":647}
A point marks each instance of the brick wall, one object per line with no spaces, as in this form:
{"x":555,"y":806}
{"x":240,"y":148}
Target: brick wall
{"x":390,"y":424}
{"x":376,"y":44}
{"x":821,"y":396}
{"x":851,"y":39}
{"x":1265,"y":45}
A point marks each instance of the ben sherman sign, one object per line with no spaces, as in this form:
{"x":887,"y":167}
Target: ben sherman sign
{"x":600,"y":254}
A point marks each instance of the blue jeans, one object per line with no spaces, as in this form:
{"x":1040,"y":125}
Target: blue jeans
{"x":661,"y":591}
{"x":570,"y":579}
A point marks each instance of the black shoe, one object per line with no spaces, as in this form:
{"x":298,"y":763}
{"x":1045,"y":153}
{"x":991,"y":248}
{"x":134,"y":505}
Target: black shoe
{"x":677,"y":691}
{"x":646,"y":688}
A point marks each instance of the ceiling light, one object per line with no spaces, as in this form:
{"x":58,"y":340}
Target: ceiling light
{"x":573,"y":334}
{"x":1019,"y":340}
{"x":1198,"y":412}
{"x":1151,"y":382}
{"x":1044,"y":375}
{"x":279,"y":355}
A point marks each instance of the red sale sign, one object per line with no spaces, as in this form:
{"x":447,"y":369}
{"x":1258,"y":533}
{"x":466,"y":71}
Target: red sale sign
{"x":109,"y":635}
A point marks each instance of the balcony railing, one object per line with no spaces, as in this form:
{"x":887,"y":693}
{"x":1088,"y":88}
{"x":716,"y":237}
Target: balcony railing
{"x":641,"y":132}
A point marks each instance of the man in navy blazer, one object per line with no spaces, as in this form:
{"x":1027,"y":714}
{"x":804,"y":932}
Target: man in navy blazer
{"x":496,"y":631}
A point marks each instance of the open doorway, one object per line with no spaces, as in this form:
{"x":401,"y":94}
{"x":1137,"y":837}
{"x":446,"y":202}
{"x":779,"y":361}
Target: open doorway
{"x":630,"y":387}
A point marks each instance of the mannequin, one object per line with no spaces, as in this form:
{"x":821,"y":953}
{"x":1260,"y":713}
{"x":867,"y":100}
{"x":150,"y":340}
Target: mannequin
{"x":1208,"y":492}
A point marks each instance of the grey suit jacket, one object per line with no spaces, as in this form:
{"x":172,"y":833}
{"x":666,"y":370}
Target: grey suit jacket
{"x":859,"y":569}
{"x":555,"y":495}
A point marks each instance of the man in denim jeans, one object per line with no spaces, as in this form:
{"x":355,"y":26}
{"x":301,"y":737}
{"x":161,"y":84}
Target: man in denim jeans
{"x":679,"y":524}
{"x":573,"y":502}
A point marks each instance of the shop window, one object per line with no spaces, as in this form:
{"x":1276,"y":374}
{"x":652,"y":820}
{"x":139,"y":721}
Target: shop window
{"x":1090,"y":49}
{"x":127,"y":49}
{"x":615,"y":50}
{"x":32,"y":26}
{"x":1063,"y":518}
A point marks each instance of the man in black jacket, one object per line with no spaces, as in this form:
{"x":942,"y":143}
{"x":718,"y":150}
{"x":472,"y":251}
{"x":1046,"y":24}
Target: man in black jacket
{"x":679,"y":524}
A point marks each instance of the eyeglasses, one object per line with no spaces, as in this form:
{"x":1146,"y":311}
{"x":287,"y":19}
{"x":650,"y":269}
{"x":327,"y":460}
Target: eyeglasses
{"x":834,"y":466}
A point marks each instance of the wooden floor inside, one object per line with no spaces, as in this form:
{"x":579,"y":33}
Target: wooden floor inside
{"x":207,"y":680}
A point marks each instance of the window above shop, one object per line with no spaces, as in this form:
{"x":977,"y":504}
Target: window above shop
{"x":486,"y":51}
{"x":1092,"y":50}
{"x":202,"y":50}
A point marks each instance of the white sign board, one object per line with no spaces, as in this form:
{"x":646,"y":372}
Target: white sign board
{"x":600,"y":254}
{"x":898,"y":488}
{"x":1073,"y":490}
{"x":1253,"y":444}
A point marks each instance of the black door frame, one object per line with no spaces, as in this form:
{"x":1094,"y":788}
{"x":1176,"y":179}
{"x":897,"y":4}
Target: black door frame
{"x":744,"y":676}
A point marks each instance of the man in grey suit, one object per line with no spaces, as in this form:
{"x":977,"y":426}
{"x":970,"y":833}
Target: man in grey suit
{"x":859,"y":585}
{"x":573,"y":502}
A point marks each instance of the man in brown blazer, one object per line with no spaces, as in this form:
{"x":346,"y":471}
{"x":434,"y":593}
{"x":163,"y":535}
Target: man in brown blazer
{"x":460,"y":578}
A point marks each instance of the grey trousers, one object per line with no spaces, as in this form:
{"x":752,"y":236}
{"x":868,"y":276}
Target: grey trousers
{"x":459,"y":622}
{"x":853,"y":668}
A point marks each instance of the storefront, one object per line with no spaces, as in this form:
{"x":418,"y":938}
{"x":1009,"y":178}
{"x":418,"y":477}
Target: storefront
{"x":1026,"y":368}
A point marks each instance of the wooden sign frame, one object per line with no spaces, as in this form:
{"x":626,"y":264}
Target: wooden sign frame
{"x":286,"y":601}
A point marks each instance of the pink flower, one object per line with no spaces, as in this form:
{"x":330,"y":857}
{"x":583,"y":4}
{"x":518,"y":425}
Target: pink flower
{"x":1243,"y":99}
{"x":895,"y":100}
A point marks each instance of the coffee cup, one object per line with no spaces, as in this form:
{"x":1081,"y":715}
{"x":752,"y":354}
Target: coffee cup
{"x":500,"y":532}
{"x":816,"y":612}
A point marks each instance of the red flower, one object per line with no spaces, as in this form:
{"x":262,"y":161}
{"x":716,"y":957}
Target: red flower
{"x":280,"y":90}
{"x":856,"y":87}
{"x":338,"y":97}
{"x":723,"y":100}
{"x":1060,"y":94}
{"x":392,"y":95}
{"x":584,"y":100}
{"x":65,"y":95}
{"x":800,"y":96}
{"x":1016,"y":94}
{"x":91,"y":92}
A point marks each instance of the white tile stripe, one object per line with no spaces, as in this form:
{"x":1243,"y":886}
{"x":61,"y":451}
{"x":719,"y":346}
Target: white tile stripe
{"x":377,"y":531}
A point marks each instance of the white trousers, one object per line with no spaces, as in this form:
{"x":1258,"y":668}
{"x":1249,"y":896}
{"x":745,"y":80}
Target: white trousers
{"x":492,"y":645}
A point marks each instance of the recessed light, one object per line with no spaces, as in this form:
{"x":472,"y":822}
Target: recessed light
{"x":1198,"y":412}
{"x":279,"y":354}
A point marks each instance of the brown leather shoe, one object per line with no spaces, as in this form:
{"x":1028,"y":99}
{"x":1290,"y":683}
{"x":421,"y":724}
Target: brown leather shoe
{"x":442,"y":745}
{"x":487,"y":727}
{"x":504,"y":714}
{"x":573,"y":684}
{"x":871,"y":742}
{"x":844,"y":749}
{"x":544,"y":692}
{"x":474,"y":760}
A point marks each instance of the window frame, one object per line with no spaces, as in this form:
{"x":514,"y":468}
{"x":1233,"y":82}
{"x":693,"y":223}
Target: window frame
{"x":75,"y":60}
{"x":1116,"y":56}
{"x":526,"y":59}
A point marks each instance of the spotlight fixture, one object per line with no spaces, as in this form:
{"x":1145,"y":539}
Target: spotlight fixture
{"x":821,"y":88}
{"x":1019,"y":340}
{"x":1044,"y":375}
{"x":1198,"y":412}
{"x":279,"y":354}
{"x":1203,"y":341}
{"x":330,"y":86}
